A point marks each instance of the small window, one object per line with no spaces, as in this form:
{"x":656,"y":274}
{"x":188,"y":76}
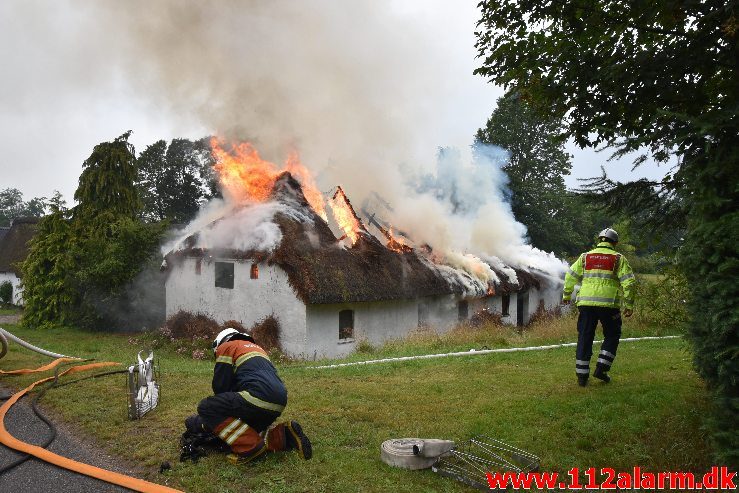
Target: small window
{"x":198,"y":266}
{"x":225,"y":275}
{"x":254,"y":273}
{"x":463,"y":310}
{"x":506,"y":303}
{"x":346,"y":324}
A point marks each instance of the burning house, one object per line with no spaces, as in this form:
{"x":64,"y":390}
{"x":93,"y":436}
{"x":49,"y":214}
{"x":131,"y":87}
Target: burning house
{"x":278,"y":256}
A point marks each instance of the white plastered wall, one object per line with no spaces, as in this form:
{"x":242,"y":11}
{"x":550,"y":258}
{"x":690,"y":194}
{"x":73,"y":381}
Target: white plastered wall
{"x":549,"y":296}
{"x":250,"y":300}
{"x":375,"y":322}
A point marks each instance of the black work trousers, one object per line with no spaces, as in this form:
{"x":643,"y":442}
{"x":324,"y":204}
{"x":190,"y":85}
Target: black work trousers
{"x":587,"y":322}
{"x":216,"y":408}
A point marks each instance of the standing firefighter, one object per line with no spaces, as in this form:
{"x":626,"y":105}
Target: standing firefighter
{"x":606,"y":281}
{"x":249,"y":397}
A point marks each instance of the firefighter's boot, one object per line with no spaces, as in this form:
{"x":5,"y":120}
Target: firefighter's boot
{"x":582,"y":380}
{"x":296,"y":439}
{"x":601,"y":373}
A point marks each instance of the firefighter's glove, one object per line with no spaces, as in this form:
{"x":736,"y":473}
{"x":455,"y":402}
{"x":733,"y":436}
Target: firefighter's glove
{"x":628,"y":312}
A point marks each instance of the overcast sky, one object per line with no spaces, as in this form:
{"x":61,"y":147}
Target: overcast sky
{"x":76,"y":73}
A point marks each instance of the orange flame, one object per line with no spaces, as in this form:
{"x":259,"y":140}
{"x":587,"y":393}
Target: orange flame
{"x":246,"y":177}
{"x":396,"y":243}
{"x":310,"y":190}
{"x":345,"y":216}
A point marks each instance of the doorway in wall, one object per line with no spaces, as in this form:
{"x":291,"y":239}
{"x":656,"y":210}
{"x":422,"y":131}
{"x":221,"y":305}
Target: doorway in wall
{"x":522,"y":308}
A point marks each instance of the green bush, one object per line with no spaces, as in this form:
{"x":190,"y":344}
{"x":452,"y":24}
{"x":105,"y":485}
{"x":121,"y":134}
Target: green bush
{"x":6,"y":292}
{"x":662,"y":299}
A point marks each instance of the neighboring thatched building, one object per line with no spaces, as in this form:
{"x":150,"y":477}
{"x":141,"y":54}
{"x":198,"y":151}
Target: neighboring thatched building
{"x":326,"y":296}
{"x":14,"y":250}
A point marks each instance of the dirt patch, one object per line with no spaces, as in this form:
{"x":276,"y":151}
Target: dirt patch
{"x":10,"y":319}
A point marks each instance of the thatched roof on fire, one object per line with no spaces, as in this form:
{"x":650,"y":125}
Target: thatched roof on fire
{"x":321,"y":270}
{"x":526,"y":280}
{"x":14,"y":244}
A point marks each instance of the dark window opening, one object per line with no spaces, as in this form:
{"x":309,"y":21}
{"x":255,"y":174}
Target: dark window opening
{"x":198,"y":266}
{"x":463,"y":310}
{"x":254,"y":271}
{"x":522,"y":309}
{"x":346,"y":324}
{"x":225,"y":275}
{"x":506,"y":305}
{"x":423,"y":314}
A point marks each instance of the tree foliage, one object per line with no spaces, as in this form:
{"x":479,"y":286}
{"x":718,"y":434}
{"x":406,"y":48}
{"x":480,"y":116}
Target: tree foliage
{"x":536,"y":168}
{"x":49,"y":292}
{"x":175,"y":180}
{"x":12,"y":205}
{"x":655,"y":206}
{"x":82,"y":259}
{"x":6,"y":292}
{"x":660,"y":76}
{"x":106,"y":182}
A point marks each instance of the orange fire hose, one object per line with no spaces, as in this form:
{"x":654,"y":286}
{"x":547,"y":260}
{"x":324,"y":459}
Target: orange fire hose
{"x":26,"y":371}
{"x":104,"y":475}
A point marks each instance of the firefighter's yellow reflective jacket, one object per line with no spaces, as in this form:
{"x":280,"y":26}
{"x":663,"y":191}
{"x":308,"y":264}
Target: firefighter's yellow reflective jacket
{"x":605,"y":277}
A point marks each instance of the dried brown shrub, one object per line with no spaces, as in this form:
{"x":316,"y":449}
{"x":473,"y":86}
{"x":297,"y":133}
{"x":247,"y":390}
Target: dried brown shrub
{"x":266,"y":333}
{"x":485,"y":317}
{"x":234,"y":325}
{"x":543,"y":315}
{"x":186,"y":325}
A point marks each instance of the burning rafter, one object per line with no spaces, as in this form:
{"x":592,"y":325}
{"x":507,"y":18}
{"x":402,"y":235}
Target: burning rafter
{"x":393,"y":243}
{"x":345,"y":216}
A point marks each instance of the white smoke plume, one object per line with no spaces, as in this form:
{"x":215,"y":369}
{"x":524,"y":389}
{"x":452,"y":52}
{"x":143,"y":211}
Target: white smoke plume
{"x":243,"y":227}
{"x":361,"y":89}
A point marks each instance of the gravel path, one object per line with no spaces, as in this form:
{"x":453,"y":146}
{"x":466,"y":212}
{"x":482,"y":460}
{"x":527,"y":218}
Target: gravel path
{"x":35,"y":476}
{"x":9,"y":319}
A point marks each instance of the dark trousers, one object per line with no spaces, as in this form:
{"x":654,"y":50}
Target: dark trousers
{"x":244,"y":427}
{"x":214,"y":409}
{"x":587,"y":322}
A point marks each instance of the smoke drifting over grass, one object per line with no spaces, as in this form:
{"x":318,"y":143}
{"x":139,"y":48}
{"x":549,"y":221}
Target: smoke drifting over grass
{"x":360,"y":89}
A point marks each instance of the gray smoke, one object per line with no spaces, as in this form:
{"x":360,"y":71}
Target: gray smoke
{"x":364,"y":90}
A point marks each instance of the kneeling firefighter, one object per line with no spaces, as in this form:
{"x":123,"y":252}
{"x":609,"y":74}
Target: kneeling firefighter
{"x":249,"y":397}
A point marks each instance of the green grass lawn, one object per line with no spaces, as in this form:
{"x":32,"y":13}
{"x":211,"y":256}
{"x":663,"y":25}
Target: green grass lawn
{"x":10,"y":309}
{"x":648,"y":416}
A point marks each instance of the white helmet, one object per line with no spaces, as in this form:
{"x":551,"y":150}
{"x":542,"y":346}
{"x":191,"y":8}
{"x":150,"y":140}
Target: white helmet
{"x":609,"y":234}
{"x":227,"y":334}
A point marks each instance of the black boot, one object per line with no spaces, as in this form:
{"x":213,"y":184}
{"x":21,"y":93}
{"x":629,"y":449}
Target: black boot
{"x":296,"y":439}
{"x":582,"y":380}
{"x":601,"y":373}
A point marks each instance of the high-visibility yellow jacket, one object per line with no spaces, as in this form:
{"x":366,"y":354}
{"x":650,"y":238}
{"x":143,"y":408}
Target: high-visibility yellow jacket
{"x":605,"y":277}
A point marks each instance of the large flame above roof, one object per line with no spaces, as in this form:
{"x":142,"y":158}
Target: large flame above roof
{"x":247,"y":178}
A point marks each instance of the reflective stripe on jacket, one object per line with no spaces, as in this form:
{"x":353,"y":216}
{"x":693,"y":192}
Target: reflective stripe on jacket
{"x":605,"y":279}
{"x":244,"y":367}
